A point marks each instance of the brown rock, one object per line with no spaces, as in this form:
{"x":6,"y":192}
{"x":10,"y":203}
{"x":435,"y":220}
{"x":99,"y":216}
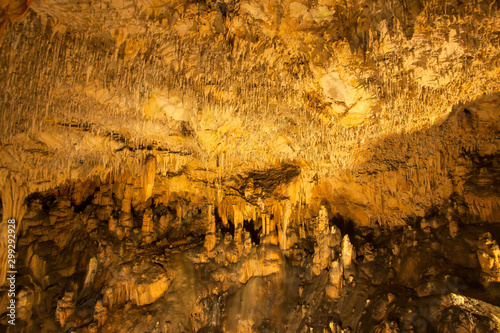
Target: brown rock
{"x":65,"y":308}
{"x":148,"y":232}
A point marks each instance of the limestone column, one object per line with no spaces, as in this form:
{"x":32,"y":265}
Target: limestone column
{"x":265,"y":224}
{"x":268,"y":224}
{"x":276,"y":222}
{"x":272,"y":226}
{"x":127,"y":199}
{"x":211,"y":220}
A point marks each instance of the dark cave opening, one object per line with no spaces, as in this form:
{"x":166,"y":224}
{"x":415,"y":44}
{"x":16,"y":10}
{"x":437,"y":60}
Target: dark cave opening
{"x":249,"y":225}
{"x":229,"y":228}
{"x":46,"y":200}
{"x":345,"y":225}
{"x":432,"y":213}
{"x":81,"y":207}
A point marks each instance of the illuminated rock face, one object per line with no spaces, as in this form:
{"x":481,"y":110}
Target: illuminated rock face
{"x":193,"y":273}
{"x":251,"y":166}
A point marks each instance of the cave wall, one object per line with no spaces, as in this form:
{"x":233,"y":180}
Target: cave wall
{"x":201,"y":123}
{"x":361,"y":96}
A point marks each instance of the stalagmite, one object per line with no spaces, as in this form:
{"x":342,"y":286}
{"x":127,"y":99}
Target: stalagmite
{"x":203,"y":166}
{"x":66,"y":307}
{"x":453,"y":227}
{"x":125,"y":222}
{"x":112,"y":223}
{"x":347,"y":255}
{"x":488,"y":255}
{"x":322,"y":219}
{"x":91,"y":272}
{"x":335,"y":280}
{"x":100,"y":313}
{"x":162,"y":224}
{"x":325,"y":242}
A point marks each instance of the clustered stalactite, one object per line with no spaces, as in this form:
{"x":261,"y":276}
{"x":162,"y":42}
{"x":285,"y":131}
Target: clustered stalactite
{"x":248,"y":166}
{"x":170,"y":246}
{"x":83,"y":76}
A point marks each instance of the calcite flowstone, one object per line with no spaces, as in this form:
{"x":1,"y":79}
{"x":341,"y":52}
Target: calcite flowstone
{"x":139,"y":287}
{"x":262,"y":261}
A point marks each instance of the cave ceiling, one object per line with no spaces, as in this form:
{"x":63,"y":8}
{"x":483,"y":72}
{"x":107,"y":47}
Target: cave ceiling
{"x":249,"y":136}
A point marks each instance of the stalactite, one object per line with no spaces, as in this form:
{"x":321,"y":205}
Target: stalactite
{"x":148,"y":176}
{"x":238,"y":228}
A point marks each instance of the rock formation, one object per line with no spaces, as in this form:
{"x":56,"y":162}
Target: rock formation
{"x":250,"y":166}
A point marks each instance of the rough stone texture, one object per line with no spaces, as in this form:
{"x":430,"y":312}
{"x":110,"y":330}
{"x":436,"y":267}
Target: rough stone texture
{"x":98,"y":281}
{"x":251,"y":166}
